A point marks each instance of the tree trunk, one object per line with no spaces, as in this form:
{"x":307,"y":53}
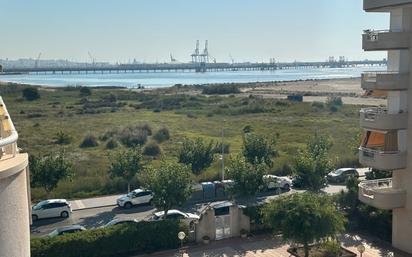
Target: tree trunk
{"x":128,"y":187}
{"x":306,"y":248}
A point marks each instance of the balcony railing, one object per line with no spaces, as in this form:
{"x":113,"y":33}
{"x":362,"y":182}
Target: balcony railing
{"x":385,"y":80}
{"x":8,"y":134}
{"x":382,"y":160}
{"x":375,"y":40}
{"x":379,"y":118}
{"x":380,"y":193}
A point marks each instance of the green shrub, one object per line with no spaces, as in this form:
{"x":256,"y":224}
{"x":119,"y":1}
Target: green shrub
{"x":331,"y":248}
{"x":162,"y":135}
{"x":31,"y":93}
{"x":111,"y":144}
{"x":62,"y":138}
{"x":334,"y":100}
{"x":136,"y":239}
{"x":152,"y":149}
{"x":318,"y":105}
{"x":134,"y":135}
{"x":89,"y":141}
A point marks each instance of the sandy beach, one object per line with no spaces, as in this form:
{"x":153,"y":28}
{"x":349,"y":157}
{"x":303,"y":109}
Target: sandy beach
{"x":312,"y":90}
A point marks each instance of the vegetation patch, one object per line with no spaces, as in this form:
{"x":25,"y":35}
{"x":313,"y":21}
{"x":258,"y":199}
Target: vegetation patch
{"x":121,"y":240}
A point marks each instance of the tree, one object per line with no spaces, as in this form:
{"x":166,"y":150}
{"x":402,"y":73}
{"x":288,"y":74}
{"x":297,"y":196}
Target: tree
{"x":31,"y":93}
{"x":170,"y":184}
{"x":312,"y":164}
{"x":248,"y":178}
{"x":197,"y":153}
{"x":47,"y":171}
{"x":304,"y":218}
{"x":257,"y":149}
{"x":127,"y":164}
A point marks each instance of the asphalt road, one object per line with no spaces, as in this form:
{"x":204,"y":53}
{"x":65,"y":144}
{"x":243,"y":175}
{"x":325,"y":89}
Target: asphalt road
{"x":96,"y":217}
{"x":90,"y":218}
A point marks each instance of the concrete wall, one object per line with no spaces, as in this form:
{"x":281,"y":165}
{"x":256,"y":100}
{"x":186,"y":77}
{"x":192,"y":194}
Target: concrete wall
{"x":14,"y":207}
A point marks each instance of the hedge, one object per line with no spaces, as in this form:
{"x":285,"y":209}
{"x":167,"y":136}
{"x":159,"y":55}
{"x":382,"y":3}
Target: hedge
{"x":120,"y":240}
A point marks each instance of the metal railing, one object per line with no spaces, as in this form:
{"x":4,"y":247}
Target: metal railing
{"x":370,"y":153}
{"x":8,"y":133}
{"x":376,"y":183}
{"x":373,"y":35}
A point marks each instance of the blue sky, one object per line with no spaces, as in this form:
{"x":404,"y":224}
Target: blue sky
{"x":149,"y":30}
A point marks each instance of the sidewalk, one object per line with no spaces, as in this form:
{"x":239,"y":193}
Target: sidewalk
{"x":267,"y":246}
{"x":96,"y":202}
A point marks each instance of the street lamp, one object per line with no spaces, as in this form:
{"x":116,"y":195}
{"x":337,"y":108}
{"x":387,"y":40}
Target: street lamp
{"x":361,"y":249}
{"x":223,"y":151}
{"x":181,"y":235}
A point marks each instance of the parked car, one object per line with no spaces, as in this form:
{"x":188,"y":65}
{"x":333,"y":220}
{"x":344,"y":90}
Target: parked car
{"x":51,"y":209}
{"x":341,"y":175}
{"x":135,"y":197}
{"x":119,"y":222}
{"x":274,"y":182}
{"x":189,"y":218}
{"x":66,"y":230}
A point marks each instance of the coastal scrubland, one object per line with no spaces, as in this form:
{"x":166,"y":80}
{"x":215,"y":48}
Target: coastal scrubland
{"x":66,"y":118}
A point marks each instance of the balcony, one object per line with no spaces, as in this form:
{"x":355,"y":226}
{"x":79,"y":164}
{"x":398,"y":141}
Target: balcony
{"x":376,"y":40}
{"x":11,"y":161}
{"x":384,"y":5}
{"x":382,"y":160}
{"x":385,"y":81}
{"x":380,"y":194}
{"x":380,"y":119}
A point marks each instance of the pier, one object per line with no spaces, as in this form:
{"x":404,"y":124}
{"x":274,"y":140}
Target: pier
{"x":185,"y":67}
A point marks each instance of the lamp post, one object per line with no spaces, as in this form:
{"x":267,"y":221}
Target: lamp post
{"x":361,"y":249}
{"x":223,"y":150}
{"x":181,"y":235}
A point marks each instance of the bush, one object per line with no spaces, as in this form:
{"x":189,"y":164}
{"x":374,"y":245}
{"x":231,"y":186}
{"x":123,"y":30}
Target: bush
{"x":111,"y":144}
{"x":334,"y":100}
{"x":162,"y":135}
{"x":62,"y":138}
{"x":89,"y":141}
{"x":318,"y":105}
{"x":31,"y":93}
{"x":152,"y":149}
{"x":135,"y":239}
{"x":220,"y":89}
{"x":334,"y":103}
{"x":85,"y":91}
{"x":135,"y":135}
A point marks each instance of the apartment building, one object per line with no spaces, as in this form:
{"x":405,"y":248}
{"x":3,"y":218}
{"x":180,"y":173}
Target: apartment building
{"x":385,"y":140}
{"x":14,"y":192}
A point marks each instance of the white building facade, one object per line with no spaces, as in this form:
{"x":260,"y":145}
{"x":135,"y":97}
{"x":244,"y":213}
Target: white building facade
{"x":385,"y":143}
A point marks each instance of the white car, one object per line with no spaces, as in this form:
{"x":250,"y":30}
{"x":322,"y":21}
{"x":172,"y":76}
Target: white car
{"x":190,"y":218}
{"x":274,"y":182}
{"x":135,"y":197}
{"x":120,"y":221}
{"x":51,"y":209}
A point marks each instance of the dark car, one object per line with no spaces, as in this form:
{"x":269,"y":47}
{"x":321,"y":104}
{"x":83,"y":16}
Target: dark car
{"x":341,"y":175}
{"x":66,"y":230}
